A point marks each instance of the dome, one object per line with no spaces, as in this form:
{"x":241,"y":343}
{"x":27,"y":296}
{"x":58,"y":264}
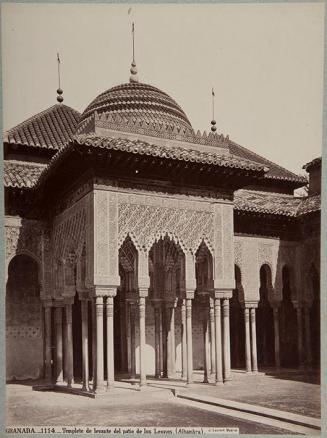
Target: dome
{"x":138,"y":104}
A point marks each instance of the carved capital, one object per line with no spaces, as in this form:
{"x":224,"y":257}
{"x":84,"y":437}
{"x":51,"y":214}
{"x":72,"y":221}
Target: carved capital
{"x":250,"y":304}
{"x":104,"y":291}
{"x":143,"y":292}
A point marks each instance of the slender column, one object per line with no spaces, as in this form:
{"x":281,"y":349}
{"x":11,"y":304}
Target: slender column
{"x":307,"y":336}
{"x":69,"y":340}
{"x":110,"y":343}
{"x":171,"y":359}
{"x":247,"y":340}
{"x":132,"y":324}
{"x":99,"y":343}
{"x":164,"y":342}
{"x":189,"y":341}
{"x":59,"y":346}
{"x":157,"y":340}
{"x":276,"y":333}
{"x":160,"y":343}
{"x":128,"y":336}
{"x":184,"y":346}
{"x":94,"y":345}
{"x":142,"y":340}
{"x":253,"y":341}
{"x":206,"y":345}
{"x":218,"y":349}
{"x":299,"y":334}
{"x":85,"y":344}
{"x":226,"y":342}
{"x":47,"y":324}
{"x":212,"y":336}
{"x":123,"y":340}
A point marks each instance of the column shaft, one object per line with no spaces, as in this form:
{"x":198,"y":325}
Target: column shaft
{"x":218,"y":347}
{"x":189,"y":341}
{"x":276,"y":333}
{"x":226,"y":342}
{"x":164,"y":342}
{"x":206,"y":356}
{"x":171,"y":359}
{"x":299,"y":335}
{"x":142,"y":341}
{"x":48,"y":358}
{"x":247,"y":340}
{"x":110,"y":343}
{"x":59,"y":345}
{"x":253,"y":341}
{"x":128,"y":335}
{"x":94,"y":345}
{"x":212,"y":337}
{"x":184,"y":345}
{"x":85,"y":344}
{"x":132,"y":325}
{"x":99,"y":343}
{"x":157,"y":340}
{"x":69,"y":340}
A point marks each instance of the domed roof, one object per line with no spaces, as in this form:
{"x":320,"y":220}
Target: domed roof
{"x":137,"y":103}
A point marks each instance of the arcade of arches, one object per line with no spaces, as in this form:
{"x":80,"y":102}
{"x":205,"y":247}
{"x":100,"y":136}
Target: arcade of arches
{"x":156,"y":321}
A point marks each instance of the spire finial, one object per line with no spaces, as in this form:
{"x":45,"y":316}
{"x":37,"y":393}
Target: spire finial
{"x":133,"y":70}
{"x":213,"y":121}
{"x":60,"y":98}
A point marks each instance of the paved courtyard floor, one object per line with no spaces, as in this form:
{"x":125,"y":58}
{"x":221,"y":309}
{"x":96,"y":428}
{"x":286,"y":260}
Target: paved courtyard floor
{"x":156,"y":405}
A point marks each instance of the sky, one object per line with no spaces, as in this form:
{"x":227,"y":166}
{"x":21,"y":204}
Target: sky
{"x":265,"y":62}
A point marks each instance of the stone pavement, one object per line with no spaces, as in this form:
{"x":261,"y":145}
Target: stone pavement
{"x":290,"y":391}
{"x":123,"y":407}
{"x":295,"y":391}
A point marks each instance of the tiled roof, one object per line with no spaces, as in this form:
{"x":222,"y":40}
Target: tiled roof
{"x":144,"y":148}
{"x":275,"y":204}
{"x":275,"y":171}
{"x":21,"y":174}
{"x":309,"y":205}
{"x":175,"y":152}
{"x":51,"y":129}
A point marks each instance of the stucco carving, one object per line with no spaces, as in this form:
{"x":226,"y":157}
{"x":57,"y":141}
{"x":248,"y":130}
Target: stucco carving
{"x":147,"y":223}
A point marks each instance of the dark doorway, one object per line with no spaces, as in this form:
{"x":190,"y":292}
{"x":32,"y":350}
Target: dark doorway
{"x":237,"y":326}
{"x":288,"y":324}
{"x":265,"y":322}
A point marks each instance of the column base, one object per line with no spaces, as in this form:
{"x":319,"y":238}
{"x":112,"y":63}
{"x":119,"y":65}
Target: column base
{"x":219,"y":383}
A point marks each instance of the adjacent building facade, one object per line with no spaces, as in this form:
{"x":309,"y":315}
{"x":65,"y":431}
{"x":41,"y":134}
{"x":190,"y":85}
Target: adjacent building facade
{"x":136,"y":246}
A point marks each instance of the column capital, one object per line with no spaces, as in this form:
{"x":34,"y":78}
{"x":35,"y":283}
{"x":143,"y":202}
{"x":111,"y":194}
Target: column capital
{"x":297,"y":304}
{"x":250,"y":304}
{"x":47,"y":303}
{"x":189,"y":294}
{"x":104,"y":291}
{"x":223,"y":293}
{"x":143,"y":292}
{"x":58,"y":303}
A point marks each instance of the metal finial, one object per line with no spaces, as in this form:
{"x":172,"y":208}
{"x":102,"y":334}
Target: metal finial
{"x":60,"y":98}
{"x":213,"y":121}
{"x":133,"y":70}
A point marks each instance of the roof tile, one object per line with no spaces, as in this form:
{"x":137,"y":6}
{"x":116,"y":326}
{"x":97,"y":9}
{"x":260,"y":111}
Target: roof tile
{"x":21,"y":174}
{"x":51,"y":129}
